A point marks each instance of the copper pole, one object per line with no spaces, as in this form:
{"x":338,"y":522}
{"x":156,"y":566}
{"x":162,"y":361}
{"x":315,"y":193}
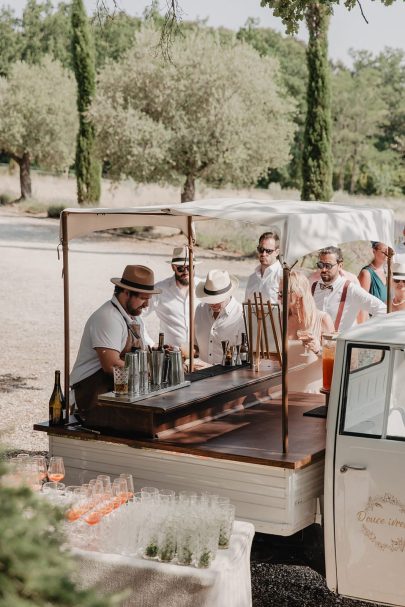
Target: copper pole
{"x":284,"y":361}
{"x":191,"y":291}
{"x":250,"y":323}
{"x":389,"y":280}
{"x":65,"y":272}
{"x":266,"y":339}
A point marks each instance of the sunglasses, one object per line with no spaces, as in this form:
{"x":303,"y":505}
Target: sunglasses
{"x":324,"y":265}
{"x":263,"y":250}
{"x":182,"y":269}
{"x":398,"y":280}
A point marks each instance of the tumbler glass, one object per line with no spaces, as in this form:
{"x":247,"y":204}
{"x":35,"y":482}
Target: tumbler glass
{"x":328,"y":358}
{"x":121,"y":375}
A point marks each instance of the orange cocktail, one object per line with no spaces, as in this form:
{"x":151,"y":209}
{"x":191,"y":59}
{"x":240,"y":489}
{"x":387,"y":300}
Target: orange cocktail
{"x":327,"y":371}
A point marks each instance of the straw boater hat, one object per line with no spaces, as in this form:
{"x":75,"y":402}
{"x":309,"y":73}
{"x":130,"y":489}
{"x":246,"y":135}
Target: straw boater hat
{"x":180,"y":257}
{"x":217,"y":287}
{"x":398,"y":271}
{"x":137,"y":278}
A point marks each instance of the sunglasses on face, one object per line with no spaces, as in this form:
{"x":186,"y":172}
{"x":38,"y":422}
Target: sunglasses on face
{"x":324,"y":265}
{"x":182,"y":269}
{"x":263,"y":250}
{"x":398,"y":280}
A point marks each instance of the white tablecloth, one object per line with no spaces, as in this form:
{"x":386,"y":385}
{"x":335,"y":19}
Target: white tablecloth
{"x":151,"y":584}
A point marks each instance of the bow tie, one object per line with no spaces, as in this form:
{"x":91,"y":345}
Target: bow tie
{"x":323,"y":287}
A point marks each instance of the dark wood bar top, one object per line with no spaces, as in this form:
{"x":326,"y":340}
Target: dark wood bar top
{"x":201,"y":390}
{"x":251,"y":435}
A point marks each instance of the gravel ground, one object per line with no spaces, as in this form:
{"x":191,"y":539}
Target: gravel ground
{"x":286,"y":572}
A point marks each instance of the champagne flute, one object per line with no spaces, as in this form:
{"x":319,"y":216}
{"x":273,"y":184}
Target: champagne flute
{"x":304,"y":336}
{"x":56,"y":469}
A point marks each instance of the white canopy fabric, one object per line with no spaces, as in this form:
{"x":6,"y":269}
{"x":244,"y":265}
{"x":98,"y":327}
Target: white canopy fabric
{"x":392,"y":331}
{"x":84,"y":221}
{"x":303,"y":226}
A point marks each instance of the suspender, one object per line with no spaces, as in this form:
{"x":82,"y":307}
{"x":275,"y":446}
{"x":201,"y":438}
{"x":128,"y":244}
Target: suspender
{"x":341,"y":303}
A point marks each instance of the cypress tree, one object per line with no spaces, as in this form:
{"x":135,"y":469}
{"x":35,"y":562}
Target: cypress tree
{"x":88,"y":167}
{"x":317,"y":155}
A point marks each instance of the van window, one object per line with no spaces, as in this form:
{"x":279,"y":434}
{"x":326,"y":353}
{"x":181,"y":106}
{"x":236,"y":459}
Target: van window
{"x":365,"y":390}
{"x":396,"y":413}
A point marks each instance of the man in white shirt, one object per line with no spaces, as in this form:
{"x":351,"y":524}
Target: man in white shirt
{"x":218,"y":317}
{"x":110,"y":332}
{"x":172,"y":306}
{"x":266,"y":277}
{"x":339,"y":297}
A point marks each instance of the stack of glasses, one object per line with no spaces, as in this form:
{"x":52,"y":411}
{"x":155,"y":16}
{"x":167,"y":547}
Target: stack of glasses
{"x":32,"y":471}
{"x":156,"y":524}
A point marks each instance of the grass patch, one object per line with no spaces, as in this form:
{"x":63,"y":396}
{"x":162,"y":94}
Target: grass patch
{"x":232,"y":236}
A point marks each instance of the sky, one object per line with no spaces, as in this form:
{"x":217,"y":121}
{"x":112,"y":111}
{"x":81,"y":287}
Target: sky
{"x":386,"y":27}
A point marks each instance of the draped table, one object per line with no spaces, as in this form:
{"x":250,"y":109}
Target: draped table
{"x":226,"y":583}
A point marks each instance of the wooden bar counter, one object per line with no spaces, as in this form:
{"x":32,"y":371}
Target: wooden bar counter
{"x":225,"y":438}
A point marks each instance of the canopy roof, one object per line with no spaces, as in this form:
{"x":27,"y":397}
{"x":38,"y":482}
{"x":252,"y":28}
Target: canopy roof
{"x":303,"y":226}
{"x":391,"y":331}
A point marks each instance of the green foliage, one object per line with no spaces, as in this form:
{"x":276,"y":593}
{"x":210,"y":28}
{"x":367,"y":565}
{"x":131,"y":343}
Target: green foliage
{"x":293,"y":76}
{"x":293,"y":12}
{"x":34,"y":571}
{"x":88,"y":167}
{"x":316,"y":157}
{"x":214,"y":113}
{"x":10,"y":40}
{"x":38,"y":120}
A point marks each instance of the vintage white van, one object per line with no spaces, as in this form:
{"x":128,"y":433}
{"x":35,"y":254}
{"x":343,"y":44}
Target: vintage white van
{"x":365,"y":464}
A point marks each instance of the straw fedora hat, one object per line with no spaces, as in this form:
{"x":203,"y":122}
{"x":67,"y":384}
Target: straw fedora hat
{"x":217,"y":286}
{"x":180,"y":257}
{"x":137,"y":278}
{"x":398,"y":271}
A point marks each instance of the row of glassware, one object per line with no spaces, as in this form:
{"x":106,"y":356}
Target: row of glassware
{"x":109,"y":516}
{"x":34,"y":471}
{"x":186,"y":529}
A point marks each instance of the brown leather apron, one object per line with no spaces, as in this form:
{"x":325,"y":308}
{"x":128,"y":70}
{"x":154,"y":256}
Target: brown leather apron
{"x":88,"y":389}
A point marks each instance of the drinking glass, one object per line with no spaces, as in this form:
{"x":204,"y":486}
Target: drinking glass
{"x":121,"y":376}
{"x":42,"y":467}
{"x":304,"y":336}
{"x":150,"y":493}
{"x":56,"y":469}
{"x":120,"y":489}
{"x":130,"y":484}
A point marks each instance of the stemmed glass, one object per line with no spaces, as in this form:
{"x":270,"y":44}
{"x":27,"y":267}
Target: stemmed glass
{"x":304,"y":336}
{"x":56,"y":469}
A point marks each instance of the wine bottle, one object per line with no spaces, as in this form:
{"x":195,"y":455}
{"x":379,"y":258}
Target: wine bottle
{"x":244,"y":350}
{"x":161,"y":342}
{"x":57,"y":403}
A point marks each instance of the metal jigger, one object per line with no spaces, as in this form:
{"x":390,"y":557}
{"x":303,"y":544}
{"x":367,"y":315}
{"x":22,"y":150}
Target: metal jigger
{"x":238,"y":358}
{"x":224,"y":344}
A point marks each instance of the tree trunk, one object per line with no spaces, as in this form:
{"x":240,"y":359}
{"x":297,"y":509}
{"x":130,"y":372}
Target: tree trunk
{"x":188,"y":191}
{"x":317,"y":156}
{"x":25,"y":176}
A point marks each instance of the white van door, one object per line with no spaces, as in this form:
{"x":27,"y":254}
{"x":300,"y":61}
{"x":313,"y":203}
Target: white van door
{"x":369,"y":476}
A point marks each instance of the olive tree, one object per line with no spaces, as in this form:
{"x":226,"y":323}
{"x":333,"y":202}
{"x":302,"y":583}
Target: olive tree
{"x":214,"y":112}
{"x":38,"y":119}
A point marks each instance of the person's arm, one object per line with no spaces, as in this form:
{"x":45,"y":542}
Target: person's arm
{"x":368,"y":302}
{"x":365,"y":280}
{"x":109,"y":359}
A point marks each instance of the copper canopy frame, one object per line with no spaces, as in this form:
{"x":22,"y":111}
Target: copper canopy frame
{"x":198,"y":210}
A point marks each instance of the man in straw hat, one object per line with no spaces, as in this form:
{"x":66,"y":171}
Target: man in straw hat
{"x":172,"y":306}
{"x":111,"y":332}
{"x":218,"y":317}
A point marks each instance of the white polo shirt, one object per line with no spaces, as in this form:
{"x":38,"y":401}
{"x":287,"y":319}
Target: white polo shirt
{"x":268,"y":284}
{"x":210,"y":331}
{"x":172,"y":307}
{"x":107,"y":327}
{"x":357,"y":299}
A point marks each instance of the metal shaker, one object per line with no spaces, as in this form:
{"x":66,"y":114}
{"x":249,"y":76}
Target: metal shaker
{"x":143,"y":371}
{"x":157,"y":359}
{"x":132,"y":361}
{"x":176,"y":371}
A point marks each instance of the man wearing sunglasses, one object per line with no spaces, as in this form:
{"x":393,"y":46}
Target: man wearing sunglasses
{"x":266,"y":277}
{"x":340,"y":298}
{"x":172,"y":305}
